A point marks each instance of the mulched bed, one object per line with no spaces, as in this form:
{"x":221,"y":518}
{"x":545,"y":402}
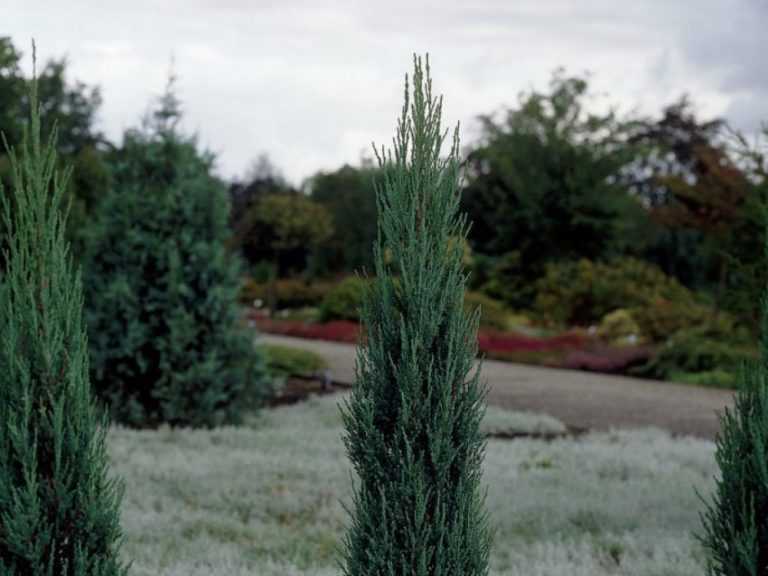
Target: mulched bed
{"x":612,"y":360}
{"x":297,"y":389}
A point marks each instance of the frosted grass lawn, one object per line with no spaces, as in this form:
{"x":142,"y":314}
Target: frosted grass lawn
{"x":264,"y":499}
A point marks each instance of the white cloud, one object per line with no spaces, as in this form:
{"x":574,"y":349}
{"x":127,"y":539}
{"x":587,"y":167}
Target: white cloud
{"x":313,"y":82}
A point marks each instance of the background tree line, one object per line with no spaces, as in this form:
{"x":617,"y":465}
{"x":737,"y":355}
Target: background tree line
{"x":549,"y":181}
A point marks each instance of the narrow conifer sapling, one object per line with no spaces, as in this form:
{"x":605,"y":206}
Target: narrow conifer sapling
{"x":735,"y":520}
{"x":412,"y":421}
{"x":59,"y":508}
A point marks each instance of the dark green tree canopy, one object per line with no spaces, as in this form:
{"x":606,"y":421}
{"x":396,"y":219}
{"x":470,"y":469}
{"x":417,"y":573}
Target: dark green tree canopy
{"x":348,"y":195}
{"x":674,"y":146}
{"x":274,"y":224}
{"x":12,"y":93}
{"x":702,"y":185}
{"x":262,"y":178}
{"x":543,"y":183}
{"x":544,"y":176}
{"x":282,"y":229}
{"x":72,"y":107}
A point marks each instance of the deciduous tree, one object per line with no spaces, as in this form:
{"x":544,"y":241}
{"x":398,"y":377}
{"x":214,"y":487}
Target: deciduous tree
{"x":543,"y":185}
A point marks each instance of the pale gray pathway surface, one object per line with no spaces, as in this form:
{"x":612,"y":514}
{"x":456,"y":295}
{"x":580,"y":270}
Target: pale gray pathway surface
{"x":581,"y":400}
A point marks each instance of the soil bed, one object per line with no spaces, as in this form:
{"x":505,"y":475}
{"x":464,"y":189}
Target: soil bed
{"x":299,"y":388}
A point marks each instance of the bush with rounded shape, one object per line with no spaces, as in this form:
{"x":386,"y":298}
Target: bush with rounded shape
{"x":660,"y":319}
{"x":288,"y":292}
{"x":583,"y":292}
{"x":492,"y":312}
{"x":618,"y":326}
{"x":503,"y":278}
{"x":343,"y":301}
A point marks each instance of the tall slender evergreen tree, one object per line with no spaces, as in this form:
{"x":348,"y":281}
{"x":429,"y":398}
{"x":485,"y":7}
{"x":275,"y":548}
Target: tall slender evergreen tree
{"x":412,"y":422}
{"x":59,"y":509}
{"x":736,"y":519}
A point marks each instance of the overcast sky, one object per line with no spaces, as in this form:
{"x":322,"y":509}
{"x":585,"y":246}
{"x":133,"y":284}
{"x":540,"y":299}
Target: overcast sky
{"x":313,"y":82}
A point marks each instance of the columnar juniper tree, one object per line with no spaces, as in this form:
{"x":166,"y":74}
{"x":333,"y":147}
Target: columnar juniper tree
{"x":736,"y":520}
{"x":412,"y":422}
{"x":59,"y":510}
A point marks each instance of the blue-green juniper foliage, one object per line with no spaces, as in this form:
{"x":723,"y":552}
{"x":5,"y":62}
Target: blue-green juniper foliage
{"x":412,"y":422}
{"x":736,"y":519}
{"x":168,"y":344}
{"x":59,"y":508}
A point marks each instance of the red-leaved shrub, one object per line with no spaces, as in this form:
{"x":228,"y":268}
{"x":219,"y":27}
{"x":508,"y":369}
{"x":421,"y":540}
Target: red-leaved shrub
{"x":607,"y":359}
{"x":574,"y":350}
{"x":337,"y":331}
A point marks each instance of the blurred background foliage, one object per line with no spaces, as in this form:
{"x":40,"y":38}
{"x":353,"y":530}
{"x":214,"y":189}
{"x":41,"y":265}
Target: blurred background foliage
{"x":72,"y":107}
{"x":635,"y":230}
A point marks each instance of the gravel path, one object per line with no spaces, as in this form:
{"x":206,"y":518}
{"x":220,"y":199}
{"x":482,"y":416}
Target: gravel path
{"x":581,"y":400}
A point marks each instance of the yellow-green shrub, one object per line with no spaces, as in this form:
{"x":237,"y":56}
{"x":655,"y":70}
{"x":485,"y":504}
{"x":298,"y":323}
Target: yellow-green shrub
{"x":584,"y":292}
{"x":493,"y":314}
{"x":618,"y":326}
{"x":342,"y":302}
{"x":659,"y":319}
